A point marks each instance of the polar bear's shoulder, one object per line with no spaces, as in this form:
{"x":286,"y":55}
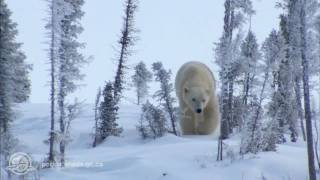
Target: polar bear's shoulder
{"x":194,"y":73}
{"x":195,"y":66}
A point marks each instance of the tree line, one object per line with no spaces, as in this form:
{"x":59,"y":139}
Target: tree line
{"x":274,"y":80}
{"x":264,"y":94}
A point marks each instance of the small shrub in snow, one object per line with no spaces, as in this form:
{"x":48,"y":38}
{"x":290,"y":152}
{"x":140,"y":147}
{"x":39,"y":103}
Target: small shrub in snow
{"x":231,"y":154}
{"x":271,"y":136}
{"x":152,"y":123}
{"x":251,"y":135}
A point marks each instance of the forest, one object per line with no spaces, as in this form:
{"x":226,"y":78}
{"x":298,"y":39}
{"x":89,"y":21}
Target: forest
{"x":268,"y":90}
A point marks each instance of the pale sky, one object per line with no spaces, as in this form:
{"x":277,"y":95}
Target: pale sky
{"x":171,"y":31}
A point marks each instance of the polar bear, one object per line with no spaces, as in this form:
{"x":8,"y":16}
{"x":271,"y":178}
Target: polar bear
{"x":195,"y":88}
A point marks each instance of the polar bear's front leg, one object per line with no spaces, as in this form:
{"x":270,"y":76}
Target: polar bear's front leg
{"x":199,"y":118}
{"x":211,"y":122}
{"x":187,"y":122}
{"x":196,"y":125}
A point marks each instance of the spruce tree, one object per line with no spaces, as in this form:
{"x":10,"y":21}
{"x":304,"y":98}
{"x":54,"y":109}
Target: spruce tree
{"x":252,"y":101}
{"x":8,"y":48}
{"x":108,"y":114}
{"x":15,"y":84}
{"x":14,"y":81}
{"x":164,"y":95}
{"x":250,"y":56}
{"x":140,"y":81}
{"x":283,"y":105}
{"x":56,"y":13}
{"x":233,"y":19}
{"x":70,"y":61}
{"x":273,"y":52}
{"x":294,"y":63}
{"x":306,"y":90}
{"x":126,"y":42}
{"x":274,"y":49}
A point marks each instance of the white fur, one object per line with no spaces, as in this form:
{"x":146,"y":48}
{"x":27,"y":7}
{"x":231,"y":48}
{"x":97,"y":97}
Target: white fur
{"x":195,"y":88}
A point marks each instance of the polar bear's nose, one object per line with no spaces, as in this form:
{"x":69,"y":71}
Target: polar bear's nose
{"x":199,"y":111}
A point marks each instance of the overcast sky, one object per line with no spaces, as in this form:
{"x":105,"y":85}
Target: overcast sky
{"x":171,"y":31}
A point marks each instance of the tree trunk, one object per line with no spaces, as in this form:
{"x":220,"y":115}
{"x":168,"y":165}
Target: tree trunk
{"x":95,"y":126}
{"x":62,"y":127}
{"x":230,"y":104}
{"x":5,"y":113}
{"x":257,"y":115}
{"x":299,"y":105}
{"x":220,"y":149}
{"x":246,"y":89}
{"x":317,"y":127}
{"x":312,"y":173}
{"x":224,"y":114}
{"x":305,"y":69}
{"x":172,"y":117}
{"x":316,"y":142}
{"x":227,"y":84}
{"x":52,"y":95}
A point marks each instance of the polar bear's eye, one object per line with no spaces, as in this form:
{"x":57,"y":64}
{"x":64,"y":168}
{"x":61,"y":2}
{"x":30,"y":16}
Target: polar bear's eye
{"x":193,"y":99}
{"x":203,"y":100}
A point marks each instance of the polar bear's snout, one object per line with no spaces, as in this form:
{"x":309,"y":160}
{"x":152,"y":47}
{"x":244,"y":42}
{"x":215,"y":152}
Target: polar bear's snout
{"x":196,"y":98}
{"x":198,"y":108}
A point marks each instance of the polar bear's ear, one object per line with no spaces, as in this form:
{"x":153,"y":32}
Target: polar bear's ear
{"x":186,"y":90}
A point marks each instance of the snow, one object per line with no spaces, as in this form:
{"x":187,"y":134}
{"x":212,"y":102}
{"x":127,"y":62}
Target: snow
{"x":169,"y":157}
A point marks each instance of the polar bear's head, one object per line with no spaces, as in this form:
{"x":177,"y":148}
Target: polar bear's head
{"x":196,"y":98}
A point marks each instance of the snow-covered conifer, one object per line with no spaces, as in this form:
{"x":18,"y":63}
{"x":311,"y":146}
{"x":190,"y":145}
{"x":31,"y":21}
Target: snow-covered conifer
{"x":108,"y":114}
{"x":14,"y":81}
{"x":250,"y":55}
{"x":273,"y":50}
{"x":126,"y":42}
{"x":306,"y":88}
{"x":234,"y":17}
{"x":164,"y":95}
{"x":57,"y":10}
{"x":70,"y":60}
{"x":140,"y":80}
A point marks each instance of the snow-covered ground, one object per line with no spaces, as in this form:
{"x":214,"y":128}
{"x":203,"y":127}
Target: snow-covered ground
{"x":168,"y":158}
